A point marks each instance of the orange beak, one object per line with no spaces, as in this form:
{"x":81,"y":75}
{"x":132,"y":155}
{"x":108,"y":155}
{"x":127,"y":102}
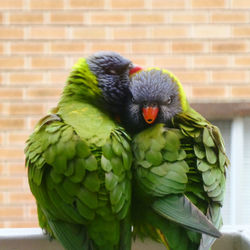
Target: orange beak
{"x":150,"y":114}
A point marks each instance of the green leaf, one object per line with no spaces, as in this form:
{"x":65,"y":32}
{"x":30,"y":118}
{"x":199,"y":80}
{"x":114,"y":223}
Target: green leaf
{"x":199,"y":152}
{"x":210,"y":155}
{"x":92,"y":182}
{"x":111,"y":180}
{"x":106,"y":164}
{"x":207,"y":139}
{"x":88,"y":198}
{"x":154,"y":157}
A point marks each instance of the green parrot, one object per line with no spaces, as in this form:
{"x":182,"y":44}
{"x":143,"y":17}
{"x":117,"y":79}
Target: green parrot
{"x":179,"y":164}
{"x":79,"y":159}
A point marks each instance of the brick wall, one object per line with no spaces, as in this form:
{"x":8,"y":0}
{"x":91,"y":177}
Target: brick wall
{"x":205,"y":43}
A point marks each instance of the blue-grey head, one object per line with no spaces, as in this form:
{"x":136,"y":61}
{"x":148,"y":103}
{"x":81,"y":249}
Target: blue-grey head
{"x":153,"y":98}
{"x":112,"y":72}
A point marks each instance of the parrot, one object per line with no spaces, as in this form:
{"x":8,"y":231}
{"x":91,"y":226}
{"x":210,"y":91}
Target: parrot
{"x":79,"y":159}
{"x":179,"y":164}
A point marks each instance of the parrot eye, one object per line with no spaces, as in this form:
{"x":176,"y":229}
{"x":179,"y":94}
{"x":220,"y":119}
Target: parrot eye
{"x":169,"y":100}
{"x":111,"y":72}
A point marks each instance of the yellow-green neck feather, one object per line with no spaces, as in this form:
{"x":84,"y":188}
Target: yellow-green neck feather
{"x":182,"y":95}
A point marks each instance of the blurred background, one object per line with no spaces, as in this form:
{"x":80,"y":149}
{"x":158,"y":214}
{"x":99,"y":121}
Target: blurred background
{"x":205,"y":43}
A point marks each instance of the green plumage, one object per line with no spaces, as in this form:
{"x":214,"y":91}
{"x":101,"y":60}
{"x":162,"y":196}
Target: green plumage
{"x":79,"y":163}
{"x":183,"y":160}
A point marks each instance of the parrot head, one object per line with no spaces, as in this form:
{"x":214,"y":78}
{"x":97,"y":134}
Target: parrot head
{"x":112,"y":73}
{"x":156,"y":96}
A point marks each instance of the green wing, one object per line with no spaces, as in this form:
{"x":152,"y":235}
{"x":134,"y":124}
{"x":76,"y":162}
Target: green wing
{"x":209,"y":161}
{"x":83,"y":191}
{"x":162,"y":168}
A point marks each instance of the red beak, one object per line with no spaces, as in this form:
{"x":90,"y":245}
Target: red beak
{"x":150,"y":114}
{"x":134,"y":70}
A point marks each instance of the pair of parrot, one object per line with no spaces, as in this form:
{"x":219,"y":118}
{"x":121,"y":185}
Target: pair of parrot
{"x":96,"y":187}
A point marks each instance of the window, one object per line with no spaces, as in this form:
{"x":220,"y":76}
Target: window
{"x":236,"y":134}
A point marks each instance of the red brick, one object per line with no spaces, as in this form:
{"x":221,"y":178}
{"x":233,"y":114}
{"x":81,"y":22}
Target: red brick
{"x":211,"y":31}
{"x":127,"y":33}
{"x":47,"y":4}
{"x":187,"y":47}
{"x":192,"y":76}
{"x":242,"y":61}
{"x":48,"y":62}
{"x":170,"y":62}
{"x":25,"y":18}
{"x":89,"y":33}
{"x":47,"y":33}
{"x":211,"y":61}
{"x":128,"y":4}
{"x":170,"y":32}
{"x":109,"y":18}
{"x":241,"y":91}
{"x":17,"y":169}
{"x":204,"y":4}
{"x":11,"y":4}
{"x":43,"y":93}
{"x":229,"y":76}
{"x":11,"y":153}
{"x":11,"y":33}
{"x":87,"y":4}
{"x":58,"y":77}
{"x":147,"y":18}
{"x":27,"y":48}
{"x":190,"y":18}
{"x":11,"y":62}
{"x":21,"y":198}
{"x":11,"y":123}
{"x":67,"y":47}
{"x":240,"y":4}
{"x":208,"y":92}
{"x":17,"y":138}
{"x":149,"y":47}
{"x":67,"y":18}
{"x":109,"y":46}
{"x":25,"y":109}
{"x":233,"y":47}
{"x":23,"y":224}
{"x":11,"y":93}
{"x":10,"y":212}
{"x":169,"y":4}
{"x":241,"y":31}
{"x":26,"y":77}
{"x":231,"y":17}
